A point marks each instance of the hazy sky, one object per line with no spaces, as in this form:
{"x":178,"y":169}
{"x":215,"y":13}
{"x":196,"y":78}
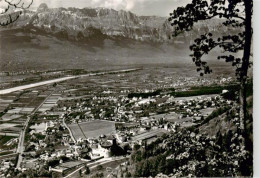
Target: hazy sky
{"x":140,"y":7}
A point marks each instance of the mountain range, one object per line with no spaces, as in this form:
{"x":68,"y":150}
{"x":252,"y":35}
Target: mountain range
{"x":94,"y":34}
{"x":77,"y":24}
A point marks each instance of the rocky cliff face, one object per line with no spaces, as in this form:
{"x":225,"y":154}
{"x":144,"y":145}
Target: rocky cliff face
{"x":79,"y":24}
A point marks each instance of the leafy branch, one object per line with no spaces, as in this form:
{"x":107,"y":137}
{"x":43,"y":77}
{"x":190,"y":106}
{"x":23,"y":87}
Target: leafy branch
{"x":7,"y":15}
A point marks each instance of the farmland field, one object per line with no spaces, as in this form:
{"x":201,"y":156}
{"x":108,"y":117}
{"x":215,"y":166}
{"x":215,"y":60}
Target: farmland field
{"x":4,"y":139}
{"x":92,"y":129}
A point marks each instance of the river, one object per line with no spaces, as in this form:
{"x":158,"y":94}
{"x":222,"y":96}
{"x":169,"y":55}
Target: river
{"x":23,"y":87}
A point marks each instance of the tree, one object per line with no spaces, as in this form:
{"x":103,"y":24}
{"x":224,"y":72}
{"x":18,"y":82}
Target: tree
{"x":237,"y":14}
{"x":55,"y":84}
{"x":80,"y":172}
{"x":87,"y":170}
{"x":11,"y":10}
{"x":99,"y":167}
{"x":128,"y":174}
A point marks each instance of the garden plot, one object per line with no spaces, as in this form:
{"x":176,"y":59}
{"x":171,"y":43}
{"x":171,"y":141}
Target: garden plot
{"x":8,"y":117}
{"x":7,"y":125}
{"x":92,"y":129}
{"x":50,"y":103}
{"x":14,"y":111}
{"x":10,"y":128}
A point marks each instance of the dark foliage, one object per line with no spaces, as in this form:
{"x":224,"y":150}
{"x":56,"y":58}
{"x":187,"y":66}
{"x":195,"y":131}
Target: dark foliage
{"x":187,"y":153}
{"x":183,"y":19}
{"x":144,"y":95}
{"x":117,"y":150}
{"x":237,"y":14}
{"x":205,"y":90}
{"x":7,"y":16}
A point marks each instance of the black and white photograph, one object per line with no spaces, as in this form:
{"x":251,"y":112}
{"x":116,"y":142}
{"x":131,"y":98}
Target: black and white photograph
{"x":128,"y":88}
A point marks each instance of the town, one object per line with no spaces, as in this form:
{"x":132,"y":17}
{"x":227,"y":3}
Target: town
{"x":89,"y":124}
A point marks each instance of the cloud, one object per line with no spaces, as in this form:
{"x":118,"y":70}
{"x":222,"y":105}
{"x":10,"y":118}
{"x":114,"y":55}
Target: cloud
{"x":118,"y":4}
{"x":114,"y":4}
{"x":141,"y":7}
{"x":133,"y":4}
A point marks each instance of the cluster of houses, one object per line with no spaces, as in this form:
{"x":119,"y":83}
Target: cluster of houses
{"x":137,"y":130}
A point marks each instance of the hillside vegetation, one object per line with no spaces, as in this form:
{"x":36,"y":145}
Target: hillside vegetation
{"x":210,"y":149}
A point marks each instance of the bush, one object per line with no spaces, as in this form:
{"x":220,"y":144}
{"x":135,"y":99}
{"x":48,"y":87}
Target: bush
{"x":87,"y":170}
{"x":99,"y":167}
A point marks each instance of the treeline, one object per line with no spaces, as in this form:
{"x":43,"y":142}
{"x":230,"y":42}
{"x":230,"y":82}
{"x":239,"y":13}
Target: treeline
{"x":200,"y":90}
{"x":232,"y":93}
{"x":217,"y":89}
{"x":144,"y":95}
{"x":205,"y":90}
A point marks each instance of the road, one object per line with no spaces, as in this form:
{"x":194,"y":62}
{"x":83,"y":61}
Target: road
{"x":71,"y":135}
{"x":93,"y":165}
{"x":23,"y":87}
{"x":20,"y":147}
